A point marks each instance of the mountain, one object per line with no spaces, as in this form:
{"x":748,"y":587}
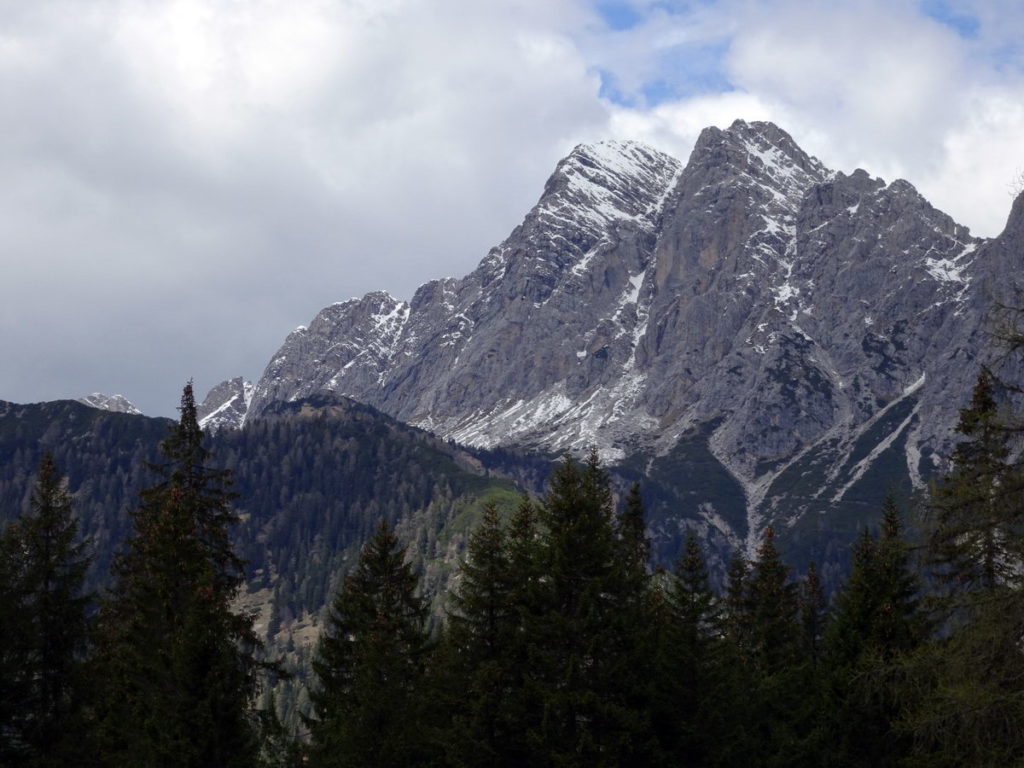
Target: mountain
{"x":786,"y":339}
{"x":226,"y":405}
{"x":114,"y":403}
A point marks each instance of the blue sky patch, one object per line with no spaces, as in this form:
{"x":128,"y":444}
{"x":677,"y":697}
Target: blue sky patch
{"x":618,"y":14}
{"x":943,"y":12}
{"x":680,"y":72}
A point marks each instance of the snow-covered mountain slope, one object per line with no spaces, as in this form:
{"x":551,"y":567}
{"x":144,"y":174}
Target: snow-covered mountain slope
{"x":800,"y":324}
{"x":115,"y":403}
{"x":225,"y":405}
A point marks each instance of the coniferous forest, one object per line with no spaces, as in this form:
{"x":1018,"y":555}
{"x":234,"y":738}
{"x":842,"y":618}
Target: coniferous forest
{"x":558,"y":644}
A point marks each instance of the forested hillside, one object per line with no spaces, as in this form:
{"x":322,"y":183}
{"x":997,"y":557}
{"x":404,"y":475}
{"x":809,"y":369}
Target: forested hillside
{"x":559,"y":644}
{"x":312,"y":480}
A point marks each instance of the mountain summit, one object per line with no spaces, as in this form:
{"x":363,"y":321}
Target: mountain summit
{"x":792,"y":325}
{"x":113,"y":403}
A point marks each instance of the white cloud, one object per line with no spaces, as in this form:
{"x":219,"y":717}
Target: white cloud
{"x":188,"y":180}
{"x":182,"y":182}
{"x":866,"y":84}
{"x":984,"y":159}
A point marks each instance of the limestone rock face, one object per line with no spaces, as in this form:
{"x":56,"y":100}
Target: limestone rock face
{"x":798,"y":318}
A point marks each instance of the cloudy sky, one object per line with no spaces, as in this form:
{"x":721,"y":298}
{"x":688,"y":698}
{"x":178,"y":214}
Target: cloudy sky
{"x":182,"y":182}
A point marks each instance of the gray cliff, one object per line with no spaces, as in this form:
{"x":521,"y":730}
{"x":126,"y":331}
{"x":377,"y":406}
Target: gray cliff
{"x":794,"y":326}
{"x":225,"y":405}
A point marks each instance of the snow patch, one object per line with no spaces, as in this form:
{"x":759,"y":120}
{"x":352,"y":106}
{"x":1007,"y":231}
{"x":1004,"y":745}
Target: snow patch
{"x":113,"y":403}
{"x":610,"y":182}
{"x":916,"y":385}
{"x":951,"y":270}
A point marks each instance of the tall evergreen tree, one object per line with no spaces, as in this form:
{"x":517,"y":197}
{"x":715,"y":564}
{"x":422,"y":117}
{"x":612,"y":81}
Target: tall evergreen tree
{"x":736,"y":604}
{"x":585,"y":662}
{"x":42,"y":570}
{"x":368,"y":707}
{"x":764,"y":640}
{"x":771,"y":598}
{"x":899,"y":626}
{"x":483,"y":629}
{"x":692,"y":687}
{"x":522,"y":543}
{"x":12,"y":651}
{"x":876,"y":626}
{"x":523,"y":700}
{"x":178,"y":665}
{"x":969,"y":695}
{"x":632,"y":535}
{"x":976,"y":541}
{"x":812,"y":614}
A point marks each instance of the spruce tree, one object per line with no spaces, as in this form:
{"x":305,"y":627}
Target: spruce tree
{"x":523,"y":553}
{"x":737,"y":608}
{"x":12,"y":652}
{"x":523,"y":705}
{"x":812,"y":614}
{"x":764,"y":641}
{"x":876,"y":627}
{"x":976,"y":541}
{"x":692,"y":687}
{"x":44,"y":636}
{"x":483,"y":629}
{"x":368,"y":705}
{"x":771,"y":599}
{"x":632,"y":535}
{"x":900,"y":626}
{"x":178,"y":666}
{"x":968,"y":695}
{"x":586,"y":665}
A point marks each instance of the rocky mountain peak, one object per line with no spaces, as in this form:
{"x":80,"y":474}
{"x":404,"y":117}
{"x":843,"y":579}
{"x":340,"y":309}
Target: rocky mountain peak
{"x":760,"y":150}
{"x":752,"y":309}
{"x":609,"y":181}
{"x":351,"y":343}
{"x":226,"y":405}
{"x":1015,"y":221}
{"x":114,"y":403}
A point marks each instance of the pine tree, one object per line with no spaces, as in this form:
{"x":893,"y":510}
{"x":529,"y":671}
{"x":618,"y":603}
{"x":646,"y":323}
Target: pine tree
{"x":771,"y":597}
{"x":585,"y":662}
{"x":483,"y":629}
{"x":42,"y":571}
{"x":368,"y":708}
{"x":876,"y":627}
{"x":763,"y":642}
{"x":692,"y":687}
{"x":968,"y":695}
{"x":976,"y":541}
{"x":812,"y":614}
{"x":178,"y":667}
